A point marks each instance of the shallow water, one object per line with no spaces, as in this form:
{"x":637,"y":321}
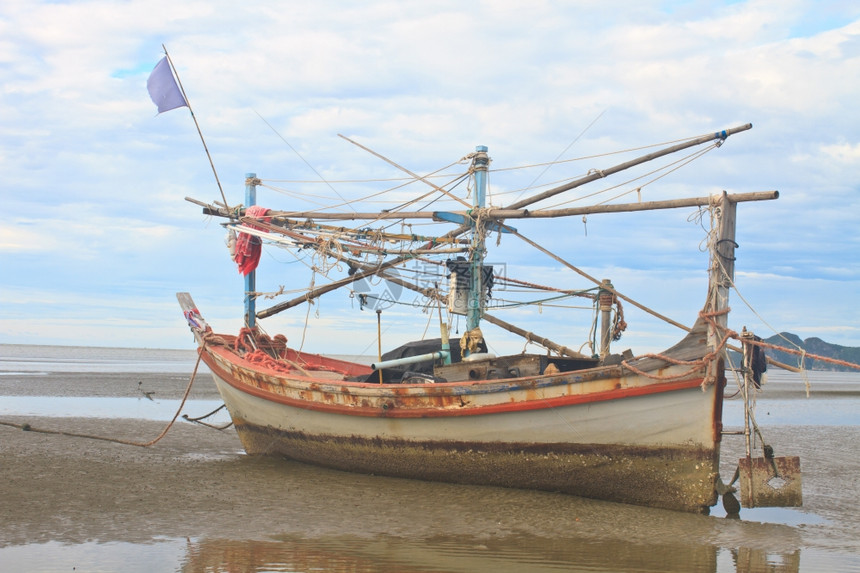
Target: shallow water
{"x":16,"y":359}
{"x":353,"y":555}
{"x":299,"y":518}
{"x":138,"y":408}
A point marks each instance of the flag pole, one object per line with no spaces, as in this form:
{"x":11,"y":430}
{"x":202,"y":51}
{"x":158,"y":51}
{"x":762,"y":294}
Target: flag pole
{"x":197,"y":125}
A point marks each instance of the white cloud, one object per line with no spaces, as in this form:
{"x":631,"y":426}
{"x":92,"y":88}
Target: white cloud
{"x":93,"y":183}
{"x":843,"y":152}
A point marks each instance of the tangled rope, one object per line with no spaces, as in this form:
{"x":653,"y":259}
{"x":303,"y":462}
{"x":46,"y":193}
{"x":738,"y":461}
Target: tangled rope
{"x":695,"y":365}
{"x":260,"y":349}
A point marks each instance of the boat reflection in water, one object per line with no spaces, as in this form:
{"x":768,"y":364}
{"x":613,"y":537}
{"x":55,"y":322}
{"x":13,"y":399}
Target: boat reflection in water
{"x":343,"y":554}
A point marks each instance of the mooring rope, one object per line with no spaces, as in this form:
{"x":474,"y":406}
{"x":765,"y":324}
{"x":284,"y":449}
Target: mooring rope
{"x":29,"y":428}
{"x":694,"y":365}
{"x":804,"y":354}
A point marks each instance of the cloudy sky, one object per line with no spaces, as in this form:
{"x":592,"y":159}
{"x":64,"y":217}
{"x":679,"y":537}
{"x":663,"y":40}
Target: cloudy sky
{"x":97,"y":236}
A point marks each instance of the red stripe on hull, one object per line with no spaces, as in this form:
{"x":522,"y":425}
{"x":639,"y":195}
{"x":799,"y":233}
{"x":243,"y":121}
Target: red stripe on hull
{"x":390,"y":410}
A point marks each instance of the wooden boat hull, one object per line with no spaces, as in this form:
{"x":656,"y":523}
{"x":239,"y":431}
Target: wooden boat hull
{"x":604,"y":433}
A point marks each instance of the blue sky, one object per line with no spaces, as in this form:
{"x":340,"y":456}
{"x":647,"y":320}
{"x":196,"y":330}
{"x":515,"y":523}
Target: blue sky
{"x":97,"y":236}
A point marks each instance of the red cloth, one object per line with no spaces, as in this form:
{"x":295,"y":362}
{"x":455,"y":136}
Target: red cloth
{"x":249,"y":247}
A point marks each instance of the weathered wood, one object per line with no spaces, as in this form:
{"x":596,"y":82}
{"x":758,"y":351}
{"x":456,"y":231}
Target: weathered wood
{"x":511,"y":213}
{"x":599,"y":174}
{"x":722,"y":263}
{"x":514,"y":206}
{"x":628,"y":207}
{"x":532,"y":337}
{"x":463,"y":228}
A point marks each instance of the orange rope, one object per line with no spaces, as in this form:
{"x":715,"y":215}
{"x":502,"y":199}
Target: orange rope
{"x":697,"y":364}
{"x":694,"y":364}
{"x":804,"y":354}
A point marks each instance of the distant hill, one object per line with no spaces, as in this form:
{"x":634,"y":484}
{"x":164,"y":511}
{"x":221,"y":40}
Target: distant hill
{"x":812,"y":346}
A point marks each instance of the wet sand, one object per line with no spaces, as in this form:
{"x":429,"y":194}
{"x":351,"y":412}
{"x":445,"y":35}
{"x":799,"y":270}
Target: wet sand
{"x":197,"y":484}
{"x":112,"y":385}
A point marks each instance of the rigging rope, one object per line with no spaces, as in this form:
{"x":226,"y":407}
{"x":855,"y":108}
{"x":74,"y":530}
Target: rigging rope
{"x":597,"y":156}
{"x":679,"y":163}
{"x":598,"y":282}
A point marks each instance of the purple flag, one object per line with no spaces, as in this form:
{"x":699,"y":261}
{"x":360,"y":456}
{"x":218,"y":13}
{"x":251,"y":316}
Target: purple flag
{"x":162,"y":88}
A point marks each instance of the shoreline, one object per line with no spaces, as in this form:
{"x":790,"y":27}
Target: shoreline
{"x":165,"y":385}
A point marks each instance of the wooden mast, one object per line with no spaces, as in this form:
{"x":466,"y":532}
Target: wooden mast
{"x":722,"y":273}
{"x":599,"y":174}
{"x":376,"y":269}
{"x":480,"y":164}
{"x":251,"y":277}
{"x":494,"y":213}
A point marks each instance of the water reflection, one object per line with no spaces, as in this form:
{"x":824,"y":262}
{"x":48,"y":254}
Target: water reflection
{"x":387,"y":554}
{"x":456,"y":555}
{"x":138,"y":408}
{"x":760,"y":561}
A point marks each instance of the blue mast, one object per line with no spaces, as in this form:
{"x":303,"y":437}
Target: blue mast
{"x":480,"y":165}
{"x":250,"y":278}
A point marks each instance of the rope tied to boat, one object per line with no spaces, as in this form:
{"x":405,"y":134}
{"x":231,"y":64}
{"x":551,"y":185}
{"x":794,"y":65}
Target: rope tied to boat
{"x":481,"y":217}
{"x":212,"y":339}
{"x":727,"y":334}
{"x":804,"y":355}
{"x":695,"y":365}
{"x":471,"y":340}
{"x":606,"y":299}
{"x":199,"y":419}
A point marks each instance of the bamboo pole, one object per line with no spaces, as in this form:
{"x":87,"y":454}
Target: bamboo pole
{"x":698,"y":201}
{"x":528,"y":201}
{"x":627,"y":207}
{"x":197,"y":125}
{"x":621,"y":167}
{"x":515,"y":213}
{"x":599,"y":174}
{"x":600,"y":283}
{"x":532,"y":337}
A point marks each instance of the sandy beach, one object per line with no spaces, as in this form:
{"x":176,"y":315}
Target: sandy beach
{"x":198,"y":503}
{"x":197,"y":483}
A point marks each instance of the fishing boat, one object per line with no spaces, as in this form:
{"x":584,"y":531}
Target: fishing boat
{"x":639,"y":429}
